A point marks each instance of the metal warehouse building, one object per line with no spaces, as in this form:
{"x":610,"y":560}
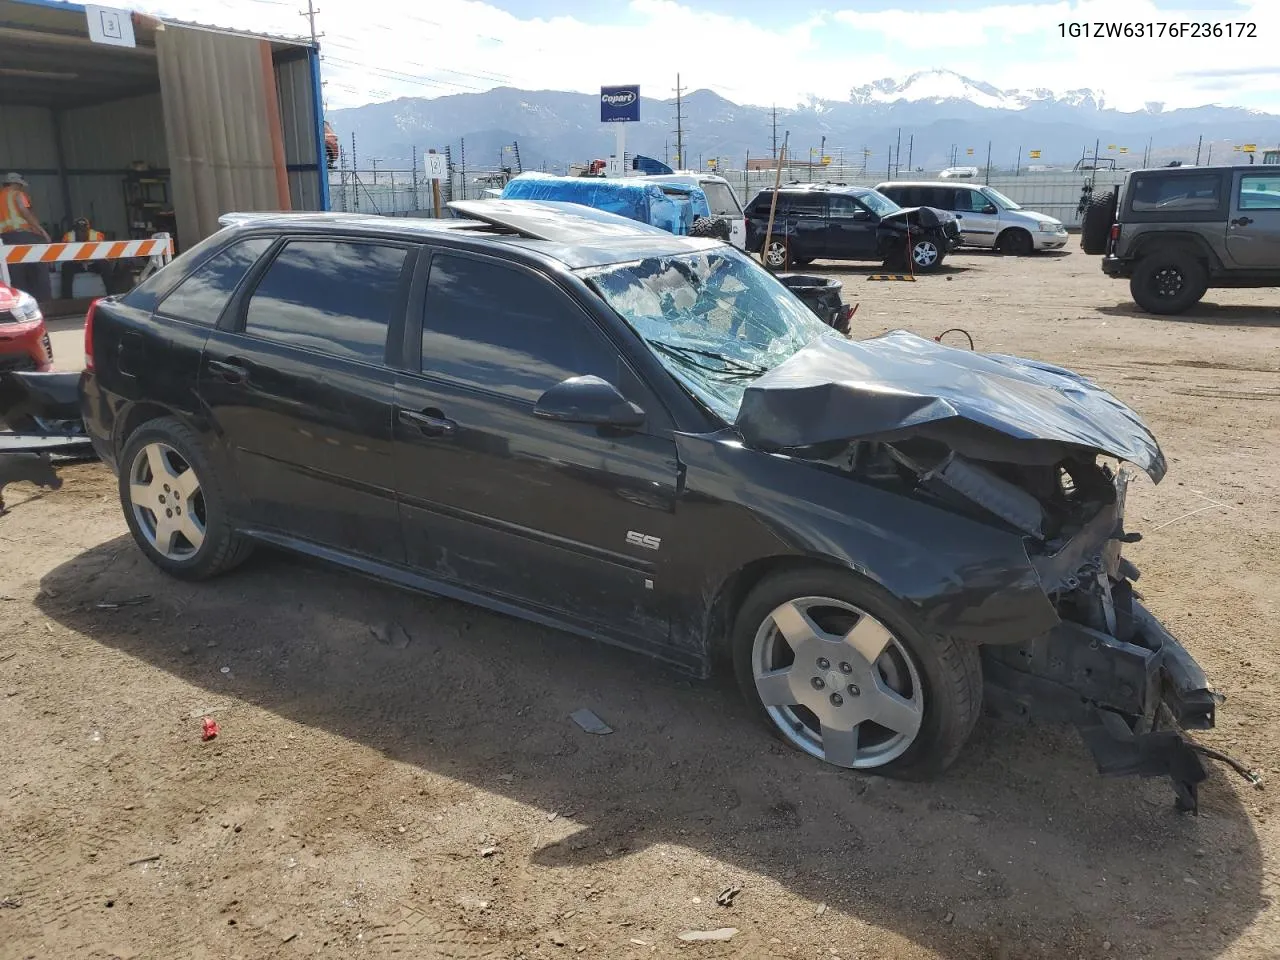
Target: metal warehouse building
{"x":146,"y":125}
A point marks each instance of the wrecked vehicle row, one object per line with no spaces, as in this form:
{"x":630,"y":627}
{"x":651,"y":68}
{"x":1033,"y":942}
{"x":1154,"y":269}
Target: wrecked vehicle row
{"x":878,"y":536}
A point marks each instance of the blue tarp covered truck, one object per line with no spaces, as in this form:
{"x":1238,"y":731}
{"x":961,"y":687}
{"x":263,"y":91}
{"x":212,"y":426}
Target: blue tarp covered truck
{"x":671,"y":207}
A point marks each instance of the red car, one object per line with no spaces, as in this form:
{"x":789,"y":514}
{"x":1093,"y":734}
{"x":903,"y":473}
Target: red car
{"x":24,"y":341}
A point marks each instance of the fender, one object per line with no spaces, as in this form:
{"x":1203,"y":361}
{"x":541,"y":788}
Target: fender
{"x":963,"y":578}
{"x":1181,"y":240}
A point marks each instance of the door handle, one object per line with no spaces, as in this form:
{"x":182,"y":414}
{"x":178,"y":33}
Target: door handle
{"x":431,"y":422}
{"x":1241,"y":221}
{"x":230,"y":370}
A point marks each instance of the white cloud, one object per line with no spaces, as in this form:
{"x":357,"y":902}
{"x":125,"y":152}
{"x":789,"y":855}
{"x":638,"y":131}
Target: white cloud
{"x":380,"y":49}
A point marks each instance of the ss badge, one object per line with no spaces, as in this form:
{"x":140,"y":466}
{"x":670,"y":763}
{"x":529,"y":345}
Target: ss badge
{"x":643,"y":540}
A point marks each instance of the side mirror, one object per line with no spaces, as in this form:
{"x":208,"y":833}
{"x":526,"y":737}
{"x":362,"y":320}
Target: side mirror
{"x":861,"y":215}
{"x":990,"y":209}
{"x":588,"y":399}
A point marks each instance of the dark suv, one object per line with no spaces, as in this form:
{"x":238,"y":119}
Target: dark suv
{"x":1175,"y":232}
{"x":590,"y":423}
{"x":819,"y":221}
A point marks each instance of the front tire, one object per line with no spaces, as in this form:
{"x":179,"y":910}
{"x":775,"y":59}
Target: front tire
{"x":174,"y":504}
{"x":1168,"y":283}
{"x":833,"y":665}
{"x":1016,"y":243}
{"x":775,"y":255}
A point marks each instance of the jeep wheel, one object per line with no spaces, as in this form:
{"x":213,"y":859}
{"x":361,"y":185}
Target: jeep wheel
{"x":1095,"y":226}
{"x":1016,"y":243}
{"x":833,"y":665}
{"x":1168,"y":283}
{"x":716,"y":228}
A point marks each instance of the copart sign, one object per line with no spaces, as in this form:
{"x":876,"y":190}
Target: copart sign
{"x":619,"y":104}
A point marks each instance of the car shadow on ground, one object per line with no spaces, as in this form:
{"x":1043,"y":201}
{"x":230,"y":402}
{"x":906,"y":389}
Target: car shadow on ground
{"x":1020,"y":850}
{"x":853,"y":271}
{"x":1206,"y":313}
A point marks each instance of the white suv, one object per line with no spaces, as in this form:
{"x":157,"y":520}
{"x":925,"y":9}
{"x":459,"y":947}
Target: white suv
{"x":987,"y":217}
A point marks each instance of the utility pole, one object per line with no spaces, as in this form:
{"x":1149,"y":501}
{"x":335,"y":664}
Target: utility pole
{"x":1198,"y":146}
{"x":310,"y":14}
{"x":374,"y":161}
{"x":355,"y":175}
{"x":679,"y":123}
{"x":774,"y":155}
{"x":462,"y":153}
{"x":898,"y":154}
{"x":988,"y":178}
{"x":911,"y":143}
{"x":888,"y":169}
{"x":1017,"y":164}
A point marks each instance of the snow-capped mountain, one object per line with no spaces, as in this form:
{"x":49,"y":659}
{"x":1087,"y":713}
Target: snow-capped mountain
{"x":947,"y":86}
{"x":927,"y":115}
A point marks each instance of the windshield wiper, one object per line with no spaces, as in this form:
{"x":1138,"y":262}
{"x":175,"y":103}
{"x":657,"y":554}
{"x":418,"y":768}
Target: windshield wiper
{"x":732,"y":366}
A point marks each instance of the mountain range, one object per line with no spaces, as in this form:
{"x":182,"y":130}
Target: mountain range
{"x":937,"y":112}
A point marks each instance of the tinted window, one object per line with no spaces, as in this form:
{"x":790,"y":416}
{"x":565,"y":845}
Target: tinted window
{"x":844,"y":207}
{"x":333,"y":296}
{"x":807,"y":204}
{"x":721,"y":199}
{"x":201,"y":297}
{"x":1160,"y":194}
{"x":968,"y":201}
{"x":1259,"y":193}
{"x":501,"y":329}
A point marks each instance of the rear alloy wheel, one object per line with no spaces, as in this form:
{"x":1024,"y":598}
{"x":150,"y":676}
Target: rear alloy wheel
{"x":775,"y":256}
{"x":1168,"y":283}
{"x":1016,"y":243}
{"x":174,"y":505}
{"x":851,"y":684}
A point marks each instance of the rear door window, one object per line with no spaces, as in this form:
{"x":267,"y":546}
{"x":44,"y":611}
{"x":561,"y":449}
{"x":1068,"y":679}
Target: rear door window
{"x":808,"y":205}
{"x":1157,"y":194}
{"x":721,"y":199}
{"x":504,"y":330}
{"x":336,"y":297}
{"x":203,"y":295}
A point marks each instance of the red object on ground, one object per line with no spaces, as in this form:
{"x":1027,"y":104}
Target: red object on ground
{"x":210,"y":728}
{"x":24,"y":341}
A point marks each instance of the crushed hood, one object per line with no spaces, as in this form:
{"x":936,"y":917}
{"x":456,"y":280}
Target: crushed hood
{"x":985,"y":406}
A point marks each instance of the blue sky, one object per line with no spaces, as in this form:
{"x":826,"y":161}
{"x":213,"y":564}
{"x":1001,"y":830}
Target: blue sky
{"x":754,"y":51}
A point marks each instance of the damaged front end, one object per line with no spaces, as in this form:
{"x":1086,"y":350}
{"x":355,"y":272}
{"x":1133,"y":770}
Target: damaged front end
{"x":1020,"y":446}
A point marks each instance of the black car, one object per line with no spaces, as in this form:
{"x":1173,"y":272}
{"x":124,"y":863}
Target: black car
{"x":590,"y":423}
{"x":820,"y":221}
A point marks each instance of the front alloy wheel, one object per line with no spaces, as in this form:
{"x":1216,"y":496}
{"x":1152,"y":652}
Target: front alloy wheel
{"x":925,"y":254}
{"x":167,"y":502}
{"x":839,"y":667}
{"x":837,"y":683}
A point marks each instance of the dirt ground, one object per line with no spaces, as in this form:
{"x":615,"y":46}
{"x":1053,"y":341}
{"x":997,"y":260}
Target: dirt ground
{"x":429,"y":797}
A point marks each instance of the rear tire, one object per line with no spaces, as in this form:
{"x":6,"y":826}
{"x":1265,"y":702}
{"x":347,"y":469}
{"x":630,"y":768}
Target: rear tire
{"x":1095,"y":226}
{"x":1168,"y":283}
{"x":174,"y":503}
{"x":936,"y":677}
{"x":1016,"y":243}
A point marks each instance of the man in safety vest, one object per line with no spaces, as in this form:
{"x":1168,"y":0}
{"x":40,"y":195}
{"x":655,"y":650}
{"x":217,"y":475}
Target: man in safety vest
{"x":81,"y":232}
{"x":18,"y":224}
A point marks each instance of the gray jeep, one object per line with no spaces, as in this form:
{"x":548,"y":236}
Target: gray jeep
{"x":1174,"y":232}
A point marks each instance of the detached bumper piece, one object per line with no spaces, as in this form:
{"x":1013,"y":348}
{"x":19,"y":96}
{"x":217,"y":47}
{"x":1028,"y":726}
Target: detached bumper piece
{"x":1130,"y":698}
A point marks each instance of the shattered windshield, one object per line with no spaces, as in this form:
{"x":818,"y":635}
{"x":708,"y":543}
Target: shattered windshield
{"x":878,"y":203}
{"x":715,"y":320}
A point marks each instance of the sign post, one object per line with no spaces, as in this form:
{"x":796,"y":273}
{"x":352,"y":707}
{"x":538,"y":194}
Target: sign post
{"x":619,"y":106}
{"x":436,"y":171}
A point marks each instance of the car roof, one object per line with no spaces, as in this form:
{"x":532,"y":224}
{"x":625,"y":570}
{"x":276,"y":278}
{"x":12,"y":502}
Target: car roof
{"x":576,"y":236}
{"x":1271,"y":170}
{"x":798,"y":187}
{"x":946,"y":184}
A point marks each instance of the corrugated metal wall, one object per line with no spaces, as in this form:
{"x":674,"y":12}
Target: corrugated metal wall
{"x":109,"y":138}
{"x":28,"y":146}
{"x":99,"y":144}
{"x":298,"y":120}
